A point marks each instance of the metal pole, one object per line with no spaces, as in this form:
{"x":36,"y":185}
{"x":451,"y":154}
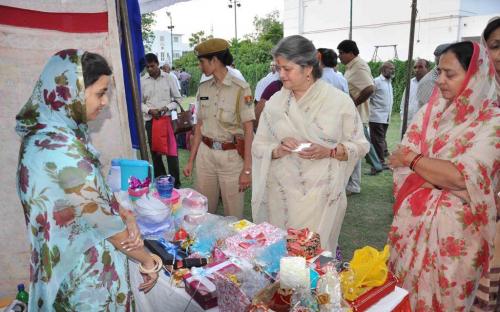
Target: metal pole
{"x":235,"y":24}
{"x":172,"y":41}
{"x":350,"y":23}
{"x":409,"y":65}
{"x":127,"y":38}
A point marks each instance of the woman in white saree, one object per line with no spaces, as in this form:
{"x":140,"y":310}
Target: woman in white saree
{"x":305,"y":188}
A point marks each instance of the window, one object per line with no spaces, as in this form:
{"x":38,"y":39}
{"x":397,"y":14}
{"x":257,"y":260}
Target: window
{"x":176,"y":39}
{"x":161,"y":47}
{"x":177,"y":55}
{"x":162,"y":38}
{"x":162,"y":56}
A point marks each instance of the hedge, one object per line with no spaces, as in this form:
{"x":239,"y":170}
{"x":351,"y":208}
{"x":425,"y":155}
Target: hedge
{"x":254,"y":72}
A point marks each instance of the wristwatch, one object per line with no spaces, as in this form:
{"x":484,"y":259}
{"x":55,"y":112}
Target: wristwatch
{"x":247,"y":172}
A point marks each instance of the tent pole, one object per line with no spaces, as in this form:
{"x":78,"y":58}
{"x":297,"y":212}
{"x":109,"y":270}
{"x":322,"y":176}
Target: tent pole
{"x":127,"y":39}
{"x":409,"y":66}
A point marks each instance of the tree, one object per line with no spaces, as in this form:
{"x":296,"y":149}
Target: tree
{"x":269,"y":28}
{"x":198,"y":37}
{"x":147,"y":22}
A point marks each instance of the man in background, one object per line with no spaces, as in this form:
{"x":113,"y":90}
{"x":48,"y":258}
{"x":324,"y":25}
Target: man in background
{"x":159,"y":97}
{"x":361,"y":87}
{"x":428,"y":82}
{"x":273,"y":75}
{"x":421,"y":68}
{"x":166,"y":69}
{"x":184,"y":78}
{"x":328,"y":62}
{"x":381,"y":103}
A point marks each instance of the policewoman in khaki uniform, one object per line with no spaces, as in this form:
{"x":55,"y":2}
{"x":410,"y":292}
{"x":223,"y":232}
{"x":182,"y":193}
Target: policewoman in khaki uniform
{"x":225,"y":112}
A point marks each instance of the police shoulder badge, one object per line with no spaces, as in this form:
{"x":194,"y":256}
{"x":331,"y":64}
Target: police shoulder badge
{"x":248,"y":99}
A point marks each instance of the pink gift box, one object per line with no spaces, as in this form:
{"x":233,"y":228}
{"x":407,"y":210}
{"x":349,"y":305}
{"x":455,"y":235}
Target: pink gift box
{"x":199,"y":282}
{"x":249,"y":242}
{"x":230,"y":298}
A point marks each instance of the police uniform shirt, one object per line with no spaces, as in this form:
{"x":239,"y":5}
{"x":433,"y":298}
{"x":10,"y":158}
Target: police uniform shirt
{"x":219,"y":106}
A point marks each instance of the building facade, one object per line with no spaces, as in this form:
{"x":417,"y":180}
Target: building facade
{"x":382,"y":28}
{"x":162,"y":46}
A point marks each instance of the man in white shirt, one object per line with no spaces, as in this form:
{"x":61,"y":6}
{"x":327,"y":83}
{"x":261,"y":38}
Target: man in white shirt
{"x":158,"y":91}
{"x":328,"y":62}
{"x":420,"y":68}
{"x":273,"y":75}
{"x":381,"y":102}
{"x":166,"y":68}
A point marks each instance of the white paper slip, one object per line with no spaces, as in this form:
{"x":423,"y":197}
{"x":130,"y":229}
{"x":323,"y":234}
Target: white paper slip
{"x":174,"y":115}
{"x":389,"y":302}
{"x":302,"y":147}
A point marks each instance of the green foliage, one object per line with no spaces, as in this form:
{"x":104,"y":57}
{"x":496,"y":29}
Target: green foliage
{"x":269,"y":28}
{"x":187,"y":60}
{"x":198,"y":37}
{"x":147,"y":22}
{"x":251,"y":55}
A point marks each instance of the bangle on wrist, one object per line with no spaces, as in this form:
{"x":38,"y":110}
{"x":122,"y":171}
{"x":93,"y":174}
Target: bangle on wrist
{"x":157,"y":267}
{"x":333,"y":152}
{"x":415,"y":160}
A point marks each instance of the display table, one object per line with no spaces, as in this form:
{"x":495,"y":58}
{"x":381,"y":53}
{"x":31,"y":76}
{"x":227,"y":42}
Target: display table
{"x":163,"y":296}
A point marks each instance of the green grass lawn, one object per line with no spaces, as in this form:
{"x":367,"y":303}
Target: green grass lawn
{"x":369,"y":214}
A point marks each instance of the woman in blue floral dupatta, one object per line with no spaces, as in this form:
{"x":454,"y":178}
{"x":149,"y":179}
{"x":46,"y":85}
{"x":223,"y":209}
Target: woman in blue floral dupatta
{"x":79,"y":238}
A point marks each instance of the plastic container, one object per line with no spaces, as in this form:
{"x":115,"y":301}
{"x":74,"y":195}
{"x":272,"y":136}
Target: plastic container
{"x":165,"y":185}
{"x":114,"y":176}
{"x":152,"y":215}
{"x":194,"y":203}
{"x":137,"y":168}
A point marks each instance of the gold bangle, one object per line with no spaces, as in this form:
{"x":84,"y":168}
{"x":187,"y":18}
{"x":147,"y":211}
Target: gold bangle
{"x":157,"y":267}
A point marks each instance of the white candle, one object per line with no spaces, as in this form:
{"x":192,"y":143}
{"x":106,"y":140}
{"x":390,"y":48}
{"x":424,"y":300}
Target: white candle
{"x":293,"y":273}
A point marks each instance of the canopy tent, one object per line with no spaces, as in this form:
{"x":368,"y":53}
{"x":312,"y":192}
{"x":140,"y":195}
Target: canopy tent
{"x":30,"y":32}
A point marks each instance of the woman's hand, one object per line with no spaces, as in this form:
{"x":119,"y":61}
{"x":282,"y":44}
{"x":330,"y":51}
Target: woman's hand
{"x":315,"y":151}
{"x":245,"y":181}
{"x":150,"y":279}
{"x":134,"y":240}
{"x":289,"y":144}
{"x":401,"y":157}
{"x":188,"y":169}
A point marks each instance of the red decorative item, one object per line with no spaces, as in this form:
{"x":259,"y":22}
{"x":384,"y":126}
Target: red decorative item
{"x":200,"y":285}
{"x":404,"y":306}
{"x":250,"y":240}
{"x":369,"y":298}
{"x":180,"y":235}
{"x":303,"y":243}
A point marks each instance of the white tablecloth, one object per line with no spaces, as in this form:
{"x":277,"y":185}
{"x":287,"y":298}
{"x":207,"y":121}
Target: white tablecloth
{"x":163,"y":297}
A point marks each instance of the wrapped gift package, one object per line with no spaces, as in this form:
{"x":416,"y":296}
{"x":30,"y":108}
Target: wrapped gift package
{"x":303,"y":243}
{"x":199,"y":283}
{"x":170,"y":253}
{"x":230,"y":297}
{"x":247,"y":243}
{"x":369,"y":298}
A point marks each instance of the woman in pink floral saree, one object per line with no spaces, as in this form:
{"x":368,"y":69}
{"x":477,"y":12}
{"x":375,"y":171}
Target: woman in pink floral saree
{"x":445,"y":174}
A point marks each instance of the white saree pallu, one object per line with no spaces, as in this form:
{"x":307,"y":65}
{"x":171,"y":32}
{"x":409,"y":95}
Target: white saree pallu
{"x":296,"y":192}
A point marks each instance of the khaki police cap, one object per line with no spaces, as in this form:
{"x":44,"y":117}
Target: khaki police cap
{"x":211,"y":46}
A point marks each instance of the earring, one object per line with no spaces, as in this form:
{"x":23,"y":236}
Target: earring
{"x":308,"y":77}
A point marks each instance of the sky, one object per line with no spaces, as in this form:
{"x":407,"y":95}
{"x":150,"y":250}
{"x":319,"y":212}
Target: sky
{"x":207,"y":15}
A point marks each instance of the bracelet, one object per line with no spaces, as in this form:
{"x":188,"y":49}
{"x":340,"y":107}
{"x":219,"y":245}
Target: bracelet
{"x":158,"y":265}
{"x":415,"y":161}
{"x":333,"y":151}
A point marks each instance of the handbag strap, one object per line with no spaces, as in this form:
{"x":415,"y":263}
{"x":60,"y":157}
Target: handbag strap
{"x":182,"y":108}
